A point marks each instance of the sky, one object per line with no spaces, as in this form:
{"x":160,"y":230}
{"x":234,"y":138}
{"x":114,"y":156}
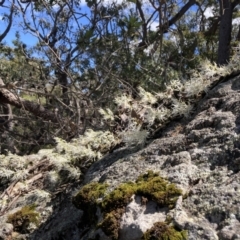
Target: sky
{"x":31,"y":40}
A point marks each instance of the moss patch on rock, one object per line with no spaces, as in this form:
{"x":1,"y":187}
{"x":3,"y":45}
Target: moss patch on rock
{"x":22,"y":218}
{"x":87,"y":199}
{"x":157,"y":189}
{"x":162,"y":231}
{"x":111,"y":223}
{"x":119,"y":197}
{"x":112,"y":205}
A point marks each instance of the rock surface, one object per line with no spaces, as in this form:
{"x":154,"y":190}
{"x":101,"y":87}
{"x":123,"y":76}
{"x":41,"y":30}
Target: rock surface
{"x":201,"y":156}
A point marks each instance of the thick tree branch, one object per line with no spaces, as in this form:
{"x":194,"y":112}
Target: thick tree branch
{"x":144,"y":25}
{"x":165,"y":27}
{"x":183,"y":10}
{"x":7,"y":97}
{"x":2,"y":2}
{"x":235,"y":3}
{"x":10,"y":18}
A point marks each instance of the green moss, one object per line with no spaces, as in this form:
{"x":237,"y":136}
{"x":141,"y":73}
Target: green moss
{"x":87,"y":198}
{"x":119,"y":197}
{"x":149,"y":185}
{"x":155,"y":188}
{"x":22,"y":218}
{"x":111,"y":223}
{"x":161,"y":231}
{"x":113,"y":206}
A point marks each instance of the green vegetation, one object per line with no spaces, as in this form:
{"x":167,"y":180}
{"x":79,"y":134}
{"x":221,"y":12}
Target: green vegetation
{"x":157,"y":189}
{"x":149,"y":185}
{"x":88,"y":197}
{"x":111,"y":223}
{"x":34,"y":98}
{"x":119,"y":197}
{"x":113,"y":70}
{"x":22,"y":218}
{"x":162,"y":231}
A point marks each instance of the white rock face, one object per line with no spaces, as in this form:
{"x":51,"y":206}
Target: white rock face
{"x":139,"y":217}
{"x":232,"y":231}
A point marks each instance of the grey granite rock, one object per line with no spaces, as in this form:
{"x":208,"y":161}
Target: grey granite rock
{"x":203,"y":160}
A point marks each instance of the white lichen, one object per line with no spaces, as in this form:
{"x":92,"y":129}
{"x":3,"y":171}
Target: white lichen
{"x":134,"y":137}
{"x":20,"y":175}
{"x":149,"y":109}
{"x":146,"y":97}
{"x":89,"y":147}
{"x":106,"y":114}
{"x":124,"y":101}
{"x":180,"y":108}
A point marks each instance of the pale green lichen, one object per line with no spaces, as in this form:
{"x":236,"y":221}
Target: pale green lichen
{"x":12,"y":161}
{"x":146,"y":97}
{"x":20,"y":175}
{"x":124,"y":101}
{"x":134,"y":137}
{"x":91,"y":146}
{"x":154,"y":110}
{"x":5,"y":174}
{"x":37,"y":196}
{"x":107,"y":114}
{"x":12,"y":168}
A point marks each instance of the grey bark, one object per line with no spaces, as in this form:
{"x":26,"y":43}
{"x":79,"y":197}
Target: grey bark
{"x":225,"y":30}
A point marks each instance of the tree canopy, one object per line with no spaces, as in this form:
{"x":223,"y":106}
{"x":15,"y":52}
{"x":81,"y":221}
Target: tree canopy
{"x":87,"y":54}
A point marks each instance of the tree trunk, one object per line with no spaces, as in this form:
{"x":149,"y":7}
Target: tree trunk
{"x":225,"y":30}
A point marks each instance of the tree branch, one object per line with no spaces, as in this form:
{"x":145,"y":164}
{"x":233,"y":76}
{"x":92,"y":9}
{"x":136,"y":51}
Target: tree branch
{"x":10,"y":17}
{"x":7,"y":97}
{"x":164,"y":28}
{"x":235,"y":3}
{"x":183,"y":10}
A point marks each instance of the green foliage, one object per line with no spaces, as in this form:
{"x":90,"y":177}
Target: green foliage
{"x":162,"y":231}
{"x":34,"y":98}
{"x":146,"y":72}
{"x":23,"y":218}
{"x":17,"y":66}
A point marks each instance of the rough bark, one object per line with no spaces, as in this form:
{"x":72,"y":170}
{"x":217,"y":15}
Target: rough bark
{"x":225,"y":30}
